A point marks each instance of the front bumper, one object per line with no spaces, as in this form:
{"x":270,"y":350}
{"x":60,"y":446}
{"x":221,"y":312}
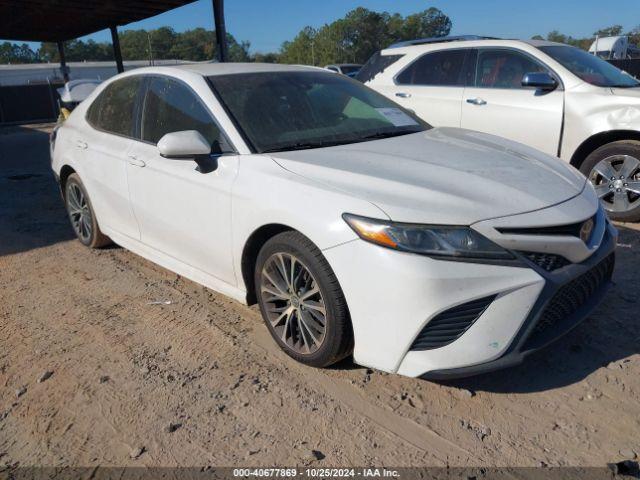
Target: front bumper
{"x":533,"y":335}
{"x":392,"y":296}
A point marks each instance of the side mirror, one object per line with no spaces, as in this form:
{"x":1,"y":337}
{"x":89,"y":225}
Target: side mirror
{"x":188,"y":144}
{"x":540,"y":80}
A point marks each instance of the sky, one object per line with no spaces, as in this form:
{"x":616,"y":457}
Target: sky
{"x":268,"y":23}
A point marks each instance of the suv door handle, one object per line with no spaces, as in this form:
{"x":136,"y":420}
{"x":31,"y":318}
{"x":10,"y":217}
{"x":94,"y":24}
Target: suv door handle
{"x":476,"y":101}
{"x":133,"y":160}
{"x":403,"y":95}
{"x":81,"y":144}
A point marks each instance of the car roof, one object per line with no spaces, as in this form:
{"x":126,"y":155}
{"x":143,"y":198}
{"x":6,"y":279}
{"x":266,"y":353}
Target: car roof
{"x":464,"y":41}
{"x":208,"y":69}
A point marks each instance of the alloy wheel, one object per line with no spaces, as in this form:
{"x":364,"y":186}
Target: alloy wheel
{"x":617,"y":182}
{"x":79,"y":212}
{"x":293,"y":303}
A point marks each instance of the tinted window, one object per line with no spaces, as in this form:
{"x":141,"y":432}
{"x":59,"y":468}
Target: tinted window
{"x":301,"y":109}
{"x":590,"y":68}
{"x":113,"y":110}
{"x":171,"y":106}
{"x":439,"y":68}
{"x":504,"y":68}
{"x":375,"y":65}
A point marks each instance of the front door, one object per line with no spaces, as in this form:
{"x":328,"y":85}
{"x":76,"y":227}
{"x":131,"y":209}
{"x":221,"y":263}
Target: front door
{"x":497,"y":103}
{"x":181,"y":212}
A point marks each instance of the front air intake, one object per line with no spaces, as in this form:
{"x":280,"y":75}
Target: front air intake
{"x":448,"y":326}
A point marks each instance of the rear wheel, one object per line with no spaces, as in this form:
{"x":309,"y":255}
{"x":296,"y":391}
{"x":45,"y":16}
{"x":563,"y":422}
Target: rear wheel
{"x":614,"y":171}
{"x":81,"y":214}
{"x":301,"y":301}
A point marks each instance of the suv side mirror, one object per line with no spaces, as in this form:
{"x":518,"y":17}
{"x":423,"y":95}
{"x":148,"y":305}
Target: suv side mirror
{"x":541,"y":80}
{"x":188,"y":144}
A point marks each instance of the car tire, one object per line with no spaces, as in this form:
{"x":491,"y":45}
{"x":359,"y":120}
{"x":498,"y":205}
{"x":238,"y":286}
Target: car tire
{"x":81,"y":214}
{"x":614,"y":170}
{"x":289,"y":260}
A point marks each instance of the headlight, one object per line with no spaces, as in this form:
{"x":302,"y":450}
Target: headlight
{"x":435,"y":240}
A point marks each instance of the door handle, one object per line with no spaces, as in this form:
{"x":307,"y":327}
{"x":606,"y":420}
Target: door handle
{"x":81,"y":144}
{"x":403,"y":95}
{"x":133,"y":160}
{"x":476,"y":101}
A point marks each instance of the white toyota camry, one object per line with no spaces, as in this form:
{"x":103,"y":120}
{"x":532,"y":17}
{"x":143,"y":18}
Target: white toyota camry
{"x":352,"y":223}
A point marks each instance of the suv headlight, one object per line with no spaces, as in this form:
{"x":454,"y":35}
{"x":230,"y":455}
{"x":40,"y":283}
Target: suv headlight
{"x":432,"y":240}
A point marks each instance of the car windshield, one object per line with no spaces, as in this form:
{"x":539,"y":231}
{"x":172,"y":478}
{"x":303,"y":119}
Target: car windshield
{"x":590,"y":68}
{"x":294,"y":110}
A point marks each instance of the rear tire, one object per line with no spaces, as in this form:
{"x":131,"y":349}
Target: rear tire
{"x":81,"y":214}
{"x":301,"y":301}
{"x":614,"y":171}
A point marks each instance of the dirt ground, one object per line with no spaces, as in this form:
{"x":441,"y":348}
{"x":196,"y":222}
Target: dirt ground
{"x":200,"y":382}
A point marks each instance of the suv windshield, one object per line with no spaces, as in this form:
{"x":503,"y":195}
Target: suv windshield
{"x":295,"y":110}
{"x":590,"y":68}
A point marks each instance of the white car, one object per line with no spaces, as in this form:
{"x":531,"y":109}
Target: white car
{"x":553,"y":97}
{"x":354,"y":225}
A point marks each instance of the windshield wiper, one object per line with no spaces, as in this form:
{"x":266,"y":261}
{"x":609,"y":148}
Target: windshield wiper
{"x":304,"y":146}
{"x":625,"y":86}
{"x":394,"y":133}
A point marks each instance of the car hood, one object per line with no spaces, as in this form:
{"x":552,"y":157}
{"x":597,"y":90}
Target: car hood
{"x":441,"y":176}
{"x":627,"y":92}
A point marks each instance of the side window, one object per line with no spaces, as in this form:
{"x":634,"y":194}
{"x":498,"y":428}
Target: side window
{"x":503,"y":68}
{"x":442,"y":68}
{"x":113,"y":110}
{"x":170,"y":106}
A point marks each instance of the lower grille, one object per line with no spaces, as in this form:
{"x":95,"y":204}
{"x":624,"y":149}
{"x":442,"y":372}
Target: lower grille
{"x":547,"y":261}
{"x":570,"y":297}
{"x":449,"y":325}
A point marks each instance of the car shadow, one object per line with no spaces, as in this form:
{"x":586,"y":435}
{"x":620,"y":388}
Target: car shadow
{"x":32,"y":214}
{"x":605,"y":340}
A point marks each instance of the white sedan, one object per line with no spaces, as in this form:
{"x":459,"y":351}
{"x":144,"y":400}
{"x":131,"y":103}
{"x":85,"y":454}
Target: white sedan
{"x":356,"y":226}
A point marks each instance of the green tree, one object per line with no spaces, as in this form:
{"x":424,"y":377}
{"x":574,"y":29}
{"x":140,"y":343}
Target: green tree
{"x":14,"y":53}
{"x":612,"y":31}
{"x":359,"y":34}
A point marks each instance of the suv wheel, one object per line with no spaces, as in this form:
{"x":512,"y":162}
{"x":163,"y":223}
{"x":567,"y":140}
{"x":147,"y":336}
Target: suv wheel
{"x":614,"y":171}
{"x":301,"y":301}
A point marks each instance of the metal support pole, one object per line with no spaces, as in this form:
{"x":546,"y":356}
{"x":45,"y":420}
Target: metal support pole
{"x":63,"y":62}
{"x":115,"y":41}
{"x":221,"y":30}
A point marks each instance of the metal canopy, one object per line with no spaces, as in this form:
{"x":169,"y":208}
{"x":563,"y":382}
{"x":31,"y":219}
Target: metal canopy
{"x":61,"y":20}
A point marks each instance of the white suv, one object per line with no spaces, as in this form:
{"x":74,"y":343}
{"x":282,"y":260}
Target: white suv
{"x":550,"y":96}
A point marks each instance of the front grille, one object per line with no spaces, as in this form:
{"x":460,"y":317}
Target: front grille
{"x":572,"y":229}
{"x":449,"y":325}
{"x":547,"y":261}
{"x":570,"y":297}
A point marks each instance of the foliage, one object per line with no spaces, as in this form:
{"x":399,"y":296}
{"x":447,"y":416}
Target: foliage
{"x":359,"y":34}
{"x":585,"y":43}
{"x":14,"y":53}
{"x":160,"y":44}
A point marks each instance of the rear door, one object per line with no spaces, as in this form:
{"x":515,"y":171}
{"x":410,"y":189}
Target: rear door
{"x":432,"y":86}
{"x":181,"y":212}
{"x":496,"y":103}
{"x":104,"y":147}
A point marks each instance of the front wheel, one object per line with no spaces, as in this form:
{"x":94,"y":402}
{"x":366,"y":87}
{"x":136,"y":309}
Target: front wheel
{"x":81,"y":214}
{"x":301,"y":301}
{"x":614,"y":171}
